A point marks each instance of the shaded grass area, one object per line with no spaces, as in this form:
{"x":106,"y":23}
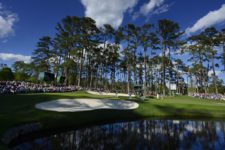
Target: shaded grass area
{"x":19,"y":109}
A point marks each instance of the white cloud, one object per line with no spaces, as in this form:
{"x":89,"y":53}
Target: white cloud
{"x":151,"y":6}
{"x":212,"y":18}
{"x":107,"y":11}
{"x":14,"y":57}
{"x":7,"y":21}
{"x":210,"y":73}
{"x":161,"y":9}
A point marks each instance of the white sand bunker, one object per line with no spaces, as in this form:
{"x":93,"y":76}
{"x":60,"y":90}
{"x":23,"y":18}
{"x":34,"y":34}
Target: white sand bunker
{"x":74,"y":105}
{"x":109,"y":94}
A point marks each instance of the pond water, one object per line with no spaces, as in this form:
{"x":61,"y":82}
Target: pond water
{"x":142,"y":134}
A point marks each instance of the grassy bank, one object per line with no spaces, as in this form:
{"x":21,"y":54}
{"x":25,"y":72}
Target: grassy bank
{"x":19,"y":109}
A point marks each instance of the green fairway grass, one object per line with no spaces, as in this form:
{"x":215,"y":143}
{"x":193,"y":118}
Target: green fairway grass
{"x":19,"y":109}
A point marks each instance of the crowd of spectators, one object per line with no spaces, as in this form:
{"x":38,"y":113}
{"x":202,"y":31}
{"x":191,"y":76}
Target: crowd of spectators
{"x":207,"y":96}
{"x":14,"y":87}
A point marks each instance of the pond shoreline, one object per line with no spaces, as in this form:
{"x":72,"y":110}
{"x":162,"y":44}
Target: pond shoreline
{"x":39,"y":132}
{"x":42,"y":134}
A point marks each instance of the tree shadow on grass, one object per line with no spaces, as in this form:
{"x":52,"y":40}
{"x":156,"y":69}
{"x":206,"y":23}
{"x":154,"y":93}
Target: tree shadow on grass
{"x":184,"y":113}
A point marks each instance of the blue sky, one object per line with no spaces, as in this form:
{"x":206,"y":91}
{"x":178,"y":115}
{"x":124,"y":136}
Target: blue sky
{"x":23,"y":22}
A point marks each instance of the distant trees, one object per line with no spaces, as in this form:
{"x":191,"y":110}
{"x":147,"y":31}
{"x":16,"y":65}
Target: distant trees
{"x":119,"y":59}
{"x":169,"y":34}
{"x":22,"y":71}
{"x":148,"y":41}
{"x":210,"y":41}
{"x":222,"y":43}
{"x":128,"y":35}
{"x":198,"y":57}
{"x":6,"y":74}
{"x":42,"y":56}
{"x":203,"y":49}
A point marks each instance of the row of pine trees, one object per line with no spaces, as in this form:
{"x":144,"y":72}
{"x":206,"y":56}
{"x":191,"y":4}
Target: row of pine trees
{"x":119,"y":59}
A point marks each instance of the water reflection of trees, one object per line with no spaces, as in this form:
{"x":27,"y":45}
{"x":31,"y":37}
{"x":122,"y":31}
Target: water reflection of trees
{"x":145,"y":134}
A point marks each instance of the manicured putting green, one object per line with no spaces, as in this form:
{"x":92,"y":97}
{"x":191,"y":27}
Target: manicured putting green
{"x":75,"y":105}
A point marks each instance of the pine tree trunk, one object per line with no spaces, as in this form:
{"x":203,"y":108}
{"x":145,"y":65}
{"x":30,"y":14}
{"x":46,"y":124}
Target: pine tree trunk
{"x":91,"y":78}
{"x":135,"y":69}
{"x":150,"y":80}
{"x":164,"y":71}
{"x":145,"y":73}
{"x":169,"y":75}
{"x":128,"y":78}
{"x":214,"y":75}
{"x":224,"y":55}
{"x":80,"y":67}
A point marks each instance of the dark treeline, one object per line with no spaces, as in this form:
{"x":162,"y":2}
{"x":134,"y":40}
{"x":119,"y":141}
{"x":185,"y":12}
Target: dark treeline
{"x":110,"y":59}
